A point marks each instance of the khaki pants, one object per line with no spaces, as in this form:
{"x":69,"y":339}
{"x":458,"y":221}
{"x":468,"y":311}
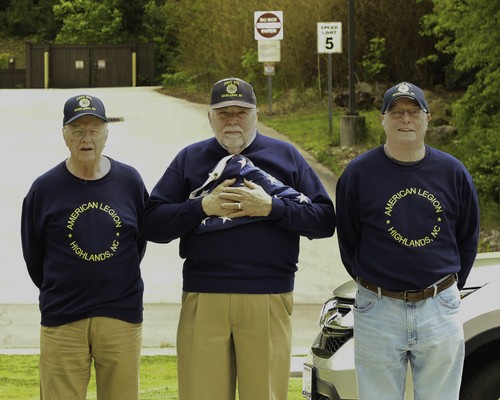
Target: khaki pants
{"x":222,"y":338}
{"x":66,"y":354}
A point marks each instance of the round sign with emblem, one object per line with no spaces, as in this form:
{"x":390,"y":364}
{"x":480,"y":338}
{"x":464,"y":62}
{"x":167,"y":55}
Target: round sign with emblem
{"x":268,"y":25}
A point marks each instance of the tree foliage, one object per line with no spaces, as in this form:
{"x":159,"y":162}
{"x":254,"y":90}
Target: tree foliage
{"x":447,"y":43}
{"x":23,"y":18}
{"x":89,"y":22}
{"x":468,"y":30}
{"x":216,"y":38}
{"x":161,"y":28}
{"x":207,"y":39}
{"x":372,"y":60}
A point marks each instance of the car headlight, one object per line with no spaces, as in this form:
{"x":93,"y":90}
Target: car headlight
{"x":336,"y":317}
{"x":336,"y":323}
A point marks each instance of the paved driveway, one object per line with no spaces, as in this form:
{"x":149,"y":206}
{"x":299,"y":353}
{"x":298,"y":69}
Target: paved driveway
{"x":151,"y":129}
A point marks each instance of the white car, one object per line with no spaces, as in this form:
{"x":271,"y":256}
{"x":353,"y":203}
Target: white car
{"x":329,"y":371}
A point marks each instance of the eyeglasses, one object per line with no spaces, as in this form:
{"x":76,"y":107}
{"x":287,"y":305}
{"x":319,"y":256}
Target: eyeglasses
{"x":80,"y":133}
{"x":413,"y":114}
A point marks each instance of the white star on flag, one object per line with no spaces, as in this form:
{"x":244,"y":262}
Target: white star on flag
{"x":303,"y":198}
{"x":240,"y":167}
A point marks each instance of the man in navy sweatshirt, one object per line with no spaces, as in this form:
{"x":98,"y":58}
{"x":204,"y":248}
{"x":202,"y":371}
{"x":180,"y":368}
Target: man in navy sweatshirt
{"x":239,"y":203}
{"x":408,"y":225}
{"x":81,"y":239}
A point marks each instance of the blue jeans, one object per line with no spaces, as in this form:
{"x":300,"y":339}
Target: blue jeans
{"x":389,"y":334}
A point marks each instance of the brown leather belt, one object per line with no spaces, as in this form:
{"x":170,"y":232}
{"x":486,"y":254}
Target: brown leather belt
{"x":411,"y":296}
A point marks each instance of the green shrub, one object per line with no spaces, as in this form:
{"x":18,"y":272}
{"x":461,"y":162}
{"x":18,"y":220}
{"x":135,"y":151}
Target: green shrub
{"x":4,"y":60}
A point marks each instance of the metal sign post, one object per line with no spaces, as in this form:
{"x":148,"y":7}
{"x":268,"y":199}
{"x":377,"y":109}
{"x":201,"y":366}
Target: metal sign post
{"x":269,"y":71}
{"x":269,"y":54}
{"x":330,"y":41}
{"x":268,"y":33}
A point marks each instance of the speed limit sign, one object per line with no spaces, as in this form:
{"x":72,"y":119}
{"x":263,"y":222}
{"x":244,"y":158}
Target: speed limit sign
{"x":329,"y":37}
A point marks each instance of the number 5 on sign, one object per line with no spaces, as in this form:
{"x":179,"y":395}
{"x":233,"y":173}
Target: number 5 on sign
{"x":329,"y":37}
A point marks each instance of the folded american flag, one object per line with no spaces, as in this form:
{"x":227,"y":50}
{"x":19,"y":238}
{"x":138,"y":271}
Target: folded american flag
{"x":240,"y":167}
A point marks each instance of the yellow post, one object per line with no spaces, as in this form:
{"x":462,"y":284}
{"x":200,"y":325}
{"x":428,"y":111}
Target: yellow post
{"x":46,"y":69}
{"x":134,"y":69}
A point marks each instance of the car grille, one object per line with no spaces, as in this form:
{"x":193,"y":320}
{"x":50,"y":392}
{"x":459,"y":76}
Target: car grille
{"x":331,"y":343}
{"x":318,"y":396}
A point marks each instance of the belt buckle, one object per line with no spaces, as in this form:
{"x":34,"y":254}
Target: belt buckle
{"x":405,"y":295}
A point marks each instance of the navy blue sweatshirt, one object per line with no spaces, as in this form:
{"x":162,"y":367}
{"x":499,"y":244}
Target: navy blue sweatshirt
{"x":258,"y":257}
{"x":403,"y":227}
{"x":82,"y":244}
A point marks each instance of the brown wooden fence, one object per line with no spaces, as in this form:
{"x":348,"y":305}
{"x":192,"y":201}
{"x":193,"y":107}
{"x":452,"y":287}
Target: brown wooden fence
{"x":12,"y":78}
{"x":71,"y":66}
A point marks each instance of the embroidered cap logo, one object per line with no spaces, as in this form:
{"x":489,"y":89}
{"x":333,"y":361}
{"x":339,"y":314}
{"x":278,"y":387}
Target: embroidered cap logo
{"x":403,"y":88}
{"x":85,"y":102}
{"x":231,"y":88}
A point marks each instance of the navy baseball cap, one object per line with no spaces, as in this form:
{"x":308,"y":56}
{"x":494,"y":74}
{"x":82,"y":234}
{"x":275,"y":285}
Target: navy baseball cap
{"x":232,"y":92}
{"x":404,"y":89}
{"x":81,"y":105}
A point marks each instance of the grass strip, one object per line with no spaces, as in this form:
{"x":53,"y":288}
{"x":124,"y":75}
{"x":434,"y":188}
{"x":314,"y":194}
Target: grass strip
{"x":19,"y":379}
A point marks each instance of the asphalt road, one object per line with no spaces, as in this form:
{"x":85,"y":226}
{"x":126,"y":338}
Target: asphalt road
{"x":150,"y":129}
